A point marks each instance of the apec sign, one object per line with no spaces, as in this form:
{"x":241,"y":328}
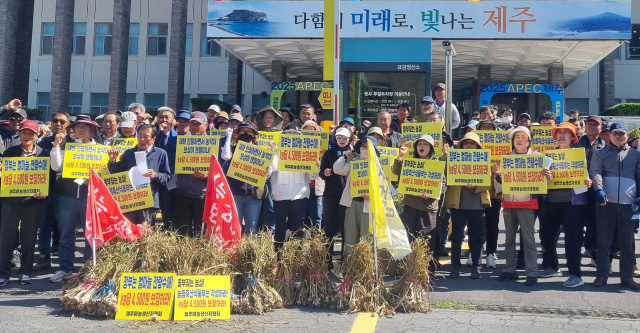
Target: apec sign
{"x":554,"y":91}
{"x":424,"y":19}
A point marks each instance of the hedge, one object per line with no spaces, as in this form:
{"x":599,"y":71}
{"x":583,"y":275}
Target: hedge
{"x":623,"y":109}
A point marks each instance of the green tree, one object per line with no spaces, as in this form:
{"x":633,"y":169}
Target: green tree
{"x":33,"y":114}
{"x":623,"y":109}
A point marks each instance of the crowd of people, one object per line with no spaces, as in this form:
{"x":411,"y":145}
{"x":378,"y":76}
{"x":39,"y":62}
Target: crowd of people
{"x":601,"y":219}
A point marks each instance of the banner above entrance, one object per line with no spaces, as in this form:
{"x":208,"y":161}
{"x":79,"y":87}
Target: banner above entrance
{"x":424,"y":19}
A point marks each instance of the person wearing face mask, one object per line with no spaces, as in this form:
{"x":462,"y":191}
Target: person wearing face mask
{"x":507,"y":120}
{"x":519,"y":211}
{"x":420,"y":212}
{"x":467,"y":205}
{"x":248,"y":198}
{"x":333,"y":214}
{"x":356,"y":223}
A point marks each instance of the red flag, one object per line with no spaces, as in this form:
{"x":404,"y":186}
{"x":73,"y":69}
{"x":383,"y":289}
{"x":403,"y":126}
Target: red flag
{"x":220,"y":211}
{"x":104,"y":217}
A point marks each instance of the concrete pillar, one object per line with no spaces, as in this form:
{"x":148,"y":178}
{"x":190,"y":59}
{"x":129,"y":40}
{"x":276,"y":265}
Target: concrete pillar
{"x":23,"y":51}
{"x":484,"y":77}
{"x":61,"y":62}
{"x":177,"y":41}
{"x":279,"y":74}
{"x":555,"y":75}
{"x":119,"y":54}
{"x":8,"y":39}
{"x":234,"y":83}
{"x":607,"y":88}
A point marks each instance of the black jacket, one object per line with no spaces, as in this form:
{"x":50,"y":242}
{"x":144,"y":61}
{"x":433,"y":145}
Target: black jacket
{"x":16,"y":151}
{"x":334,"y":184}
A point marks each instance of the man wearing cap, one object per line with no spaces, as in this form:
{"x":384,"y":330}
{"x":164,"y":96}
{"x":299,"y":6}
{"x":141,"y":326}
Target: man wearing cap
{"x":142,"y":117}
{"x":235,"y":108}
{"x":615,"y":170}
{"x":16,"y":118}
{"x":21,"y":215}
{"x":402,"y":117}
{"x":605,"y":134}
{"x":212,"y":113}
{"x":72,"y":204}
{"x":234,"y":120}
{"x":221,"y":119}
{"x":182,"y":122}
{"x":128,"y":124}
{"x":426,"y":107}
{"x":287,"y":116}
{"x":110,"y":125}
{"x":157,"y":170}
{"x":524,"y":119}
{"x":190,"y":190}
{"x":440,"y":93}
{"x":348,"y":121}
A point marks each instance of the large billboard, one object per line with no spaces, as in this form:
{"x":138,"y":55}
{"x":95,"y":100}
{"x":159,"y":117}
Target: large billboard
{"x":425,"y":19}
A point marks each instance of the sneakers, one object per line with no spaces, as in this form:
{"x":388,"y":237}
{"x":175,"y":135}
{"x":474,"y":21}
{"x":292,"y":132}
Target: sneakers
{"x":491,"y":261}
{"x":475,"y":273}
{"x":455,"y":273}
{"x":572,"y":282}
{"x":3,"y":282}
{"x":60,"y":276}
{"x":592,"y":263}
{"x":600,"y":281}
{"x":469,"y":261}
{"x":24,"y":279}
{"x":550,"y":272}
{"x":44,"y":262}
{"x":508,"y":276}
{"x":530,"y":281}
{"x":636,"y":272}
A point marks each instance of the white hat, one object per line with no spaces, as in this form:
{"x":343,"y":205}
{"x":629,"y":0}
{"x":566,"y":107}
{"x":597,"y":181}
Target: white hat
{"x":519,"y":129}
{"x":128,"y":119}
{"x":343,"y":131}
{"x":214,"y":107}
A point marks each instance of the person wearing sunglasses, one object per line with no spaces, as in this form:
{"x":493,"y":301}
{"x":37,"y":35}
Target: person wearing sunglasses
{"x":16,"y":118}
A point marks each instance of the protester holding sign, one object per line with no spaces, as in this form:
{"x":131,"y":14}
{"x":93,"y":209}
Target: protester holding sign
{"x":268,"y":120}
{"x":467,"y":204}
{"x":333,"y":214}
{"x":290,"y":193}
{"x":21,"y":214}
{"x":248,"y":197}
{"x":356,"y":223}
{"x":420,"y":212}
{"x":519,"y":211}
{"x":190,"y":190}
{"x":73,"y":198}
{"x":157,"y":170}
{"x":314,"y":205}
{"x":566,"y":208}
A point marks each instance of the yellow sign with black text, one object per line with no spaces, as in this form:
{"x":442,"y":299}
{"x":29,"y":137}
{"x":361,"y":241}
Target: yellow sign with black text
{"x":421,"y":176}
{"x":522,"y":174}
{"x":569,"y":168}
{"x":203,"y":297}
{"x":250,"y":163}
{"x":412,"y":131}
{"x":542,"y":139}
{"x":79,"y":159}
{"x":25,"y":176}
{"x":469,"y":166}
{"x":359,"y":178}
{"x":144,"y":296}
{"x":194,"y":152}
{"x":298,"y":153}
{"x":128,"y":197}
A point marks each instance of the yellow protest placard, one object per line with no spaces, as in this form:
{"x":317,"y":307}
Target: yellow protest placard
{"x":265,"y":137}
{"x":25,"y":176}
{"x":521,"y":174}
{"x":249,"y":164}
{"x":420,"y":176}
{"x":80,"y":158}
{"x":324,"y":140}
{"x":298,"y":153}
{"x":219,"y":133}
{"x":542,"y":139}
{"x":412,"y":131}
{"x":392,"y":153}
{"x":144,"y":296}
{"x":387,"y":164}
{"x":469,"y":166}
{"x":122,"y":144}
{"x":194,"y":151}
{"x":199,"y":297}
{"x":496,"y":141}
{"x":569,"y":168}
{"x":128,"y":197}
{"x":359,"y":178}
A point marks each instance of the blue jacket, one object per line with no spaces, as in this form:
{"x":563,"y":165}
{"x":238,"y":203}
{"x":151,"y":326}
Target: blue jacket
{"x":617,"y":172}
{"x":156,"y":160}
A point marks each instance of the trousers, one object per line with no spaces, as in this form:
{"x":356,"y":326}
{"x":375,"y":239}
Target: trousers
{"x":525,"y":219}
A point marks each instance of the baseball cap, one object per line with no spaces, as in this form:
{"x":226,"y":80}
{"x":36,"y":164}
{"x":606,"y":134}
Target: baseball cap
{"x":199,"y":117}
{"x":223,"y":115}
{"x":524,"y":115}
{"x":597,"y":119}
{"x":214,"y":108}
{"x":349,"y":120}
{"x":236,"y":116}
{"x":318,"y":111}
{"x":183,"y":114}
{"x":376,"y":130}
{"x":247,"y":125}
{"x":606,"y":126}
{"x":343,"y":132}
{"x":30,"y":125}
{"x":441,"y":85}
{"x":236,"y":108}
{"x":128,"y":119}
{"x":619,"y":127}
{"x":19,"y":111}
{"x":427,"y":99}
{"x":473,"y":124}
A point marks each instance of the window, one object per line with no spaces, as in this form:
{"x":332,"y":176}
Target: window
{"x":134,"y":32}
{"x":258,"y":102}
{"x":189,"y":43}
{"x":224,"y":97}
{"x":99,"y":103}
{"x":633,"y":100}
{"x":79,"y":38}
{"x":47,"y":38}
{"x":43,"y":101}
{"x":581,"y":104}
{"x":186,"y":102}
{"x":157,"y":40}
{"x":153,"y":101}
{"x":634,"y":43}
{"x":209,"y":47}
{"x":75,"y":102}
{"x":102,"y":45}
{"x":130,"y":98}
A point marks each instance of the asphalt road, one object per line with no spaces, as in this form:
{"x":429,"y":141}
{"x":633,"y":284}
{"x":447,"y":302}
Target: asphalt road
{"x":465,"y":304}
